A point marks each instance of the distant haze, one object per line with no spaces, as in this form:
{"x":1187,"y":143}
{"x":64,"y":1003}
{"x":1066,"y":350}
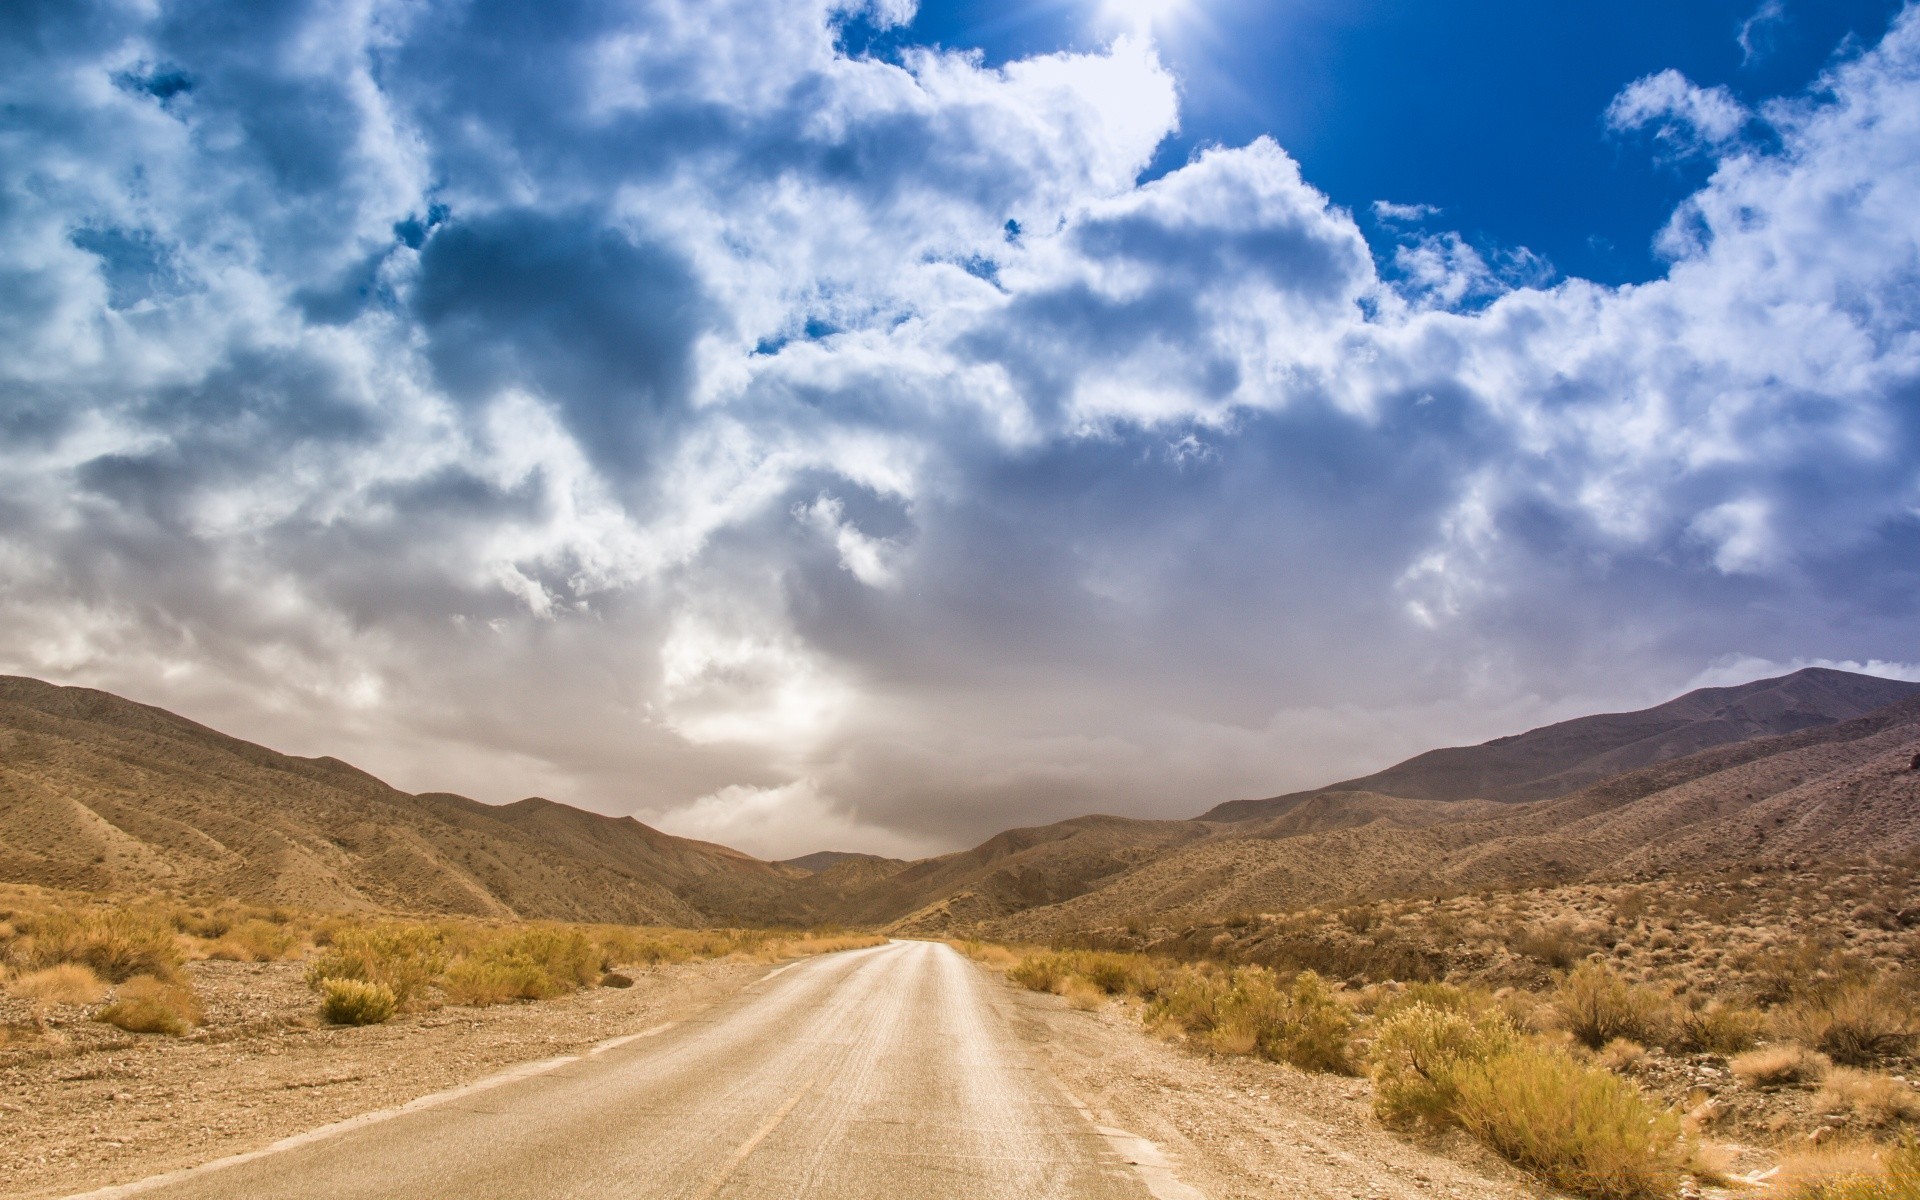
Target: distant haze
{"x":662,"y":409}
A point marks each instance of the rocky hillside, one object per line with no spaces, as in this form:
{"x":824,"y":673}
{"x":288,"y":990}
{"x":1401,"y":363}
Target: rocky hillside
{"x":103,"y":794}
{"x":1836,"y":793}
{"x":1557,"y":759}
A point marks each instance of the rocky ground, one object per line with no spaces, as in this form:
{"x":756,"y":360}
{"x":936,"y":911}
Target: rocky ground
{"x":84,"y":1105}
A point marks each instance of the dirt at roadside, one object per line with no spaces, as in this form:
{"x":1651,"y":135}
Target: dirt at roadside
{"x":93,"y":1106}
{"x":1237,"y":1127}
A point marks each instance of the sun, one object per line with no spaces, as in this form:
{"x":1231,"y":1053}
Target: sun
{"x":1141,"y":16}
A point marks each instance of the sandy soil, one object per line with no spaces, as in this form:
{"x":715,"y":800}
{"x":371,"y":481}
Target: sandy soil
{"x":1242,"y":1128}
{"x":93,"y":1106}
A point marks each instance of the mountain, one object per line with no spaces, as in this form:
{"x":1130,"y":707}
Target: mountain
{"x":103,"y":794}
{"x":1557,"y":759}
{"x":821,"y":860}
{"x":1834,"y":792}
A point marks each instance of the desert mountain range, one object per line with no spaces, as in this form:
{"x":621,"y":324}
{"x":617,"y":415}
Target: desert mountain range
{"x":104,"y":794}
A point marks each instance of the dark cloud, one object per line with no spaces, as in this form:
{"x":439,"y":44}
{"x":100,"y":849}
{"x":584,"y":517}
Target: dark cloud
{"x":600,"y":325}
{"x":659,"y":409}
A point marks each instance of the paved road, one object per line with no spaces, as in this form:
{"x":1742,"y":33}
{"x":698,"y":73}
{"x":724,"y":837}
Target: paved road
{"x":883,"y":1073}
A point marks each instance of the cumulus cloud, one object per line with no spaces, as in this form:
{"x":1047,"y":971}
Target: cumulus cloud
{"x":1679,"y":112}
{"x":656,"y":408}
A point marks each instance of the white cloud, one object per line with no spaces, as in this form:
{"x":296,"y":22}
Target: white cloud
{"x":770,"y":822}
{"x":1736,"y":669}
{"x":499,"y":411}
{"x":1681,"y":113}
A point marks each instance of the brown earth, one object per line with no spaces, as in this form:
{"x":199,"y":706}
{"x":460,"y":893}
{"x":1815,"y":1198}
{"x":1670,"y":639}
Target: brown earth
{"x":101,"y":794}
{"x":1561,"y":758}
{"x":1835,"y":793}
{"x":101,"y":1106}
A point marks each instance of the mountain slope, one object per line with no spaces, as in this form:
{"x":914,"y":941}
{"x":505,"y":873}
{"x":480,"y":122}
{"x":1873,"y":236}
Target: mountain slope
{"x":100,"y":793}
{"x":1557,"y":759}
{"x":1835,"y":792}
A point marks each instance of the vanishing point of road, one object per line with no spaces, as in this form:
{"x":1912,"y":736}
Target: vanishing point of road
{"x":890,"y":1073}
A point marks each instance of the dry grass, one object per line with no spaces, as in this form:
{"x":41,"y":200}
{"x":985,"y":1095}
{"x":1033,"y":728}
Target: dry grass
{"x":1873,"y":1099}
{"x":1857,"y":1023}
{"x":1251,"y":1010}
{"x":115,"y":943}
{"x":1718,"y":1027}
{"x":1597,"y":1006}
{"x":1621,"y":1055}
{"x":258,"y":941}
{"x":422,"y":963}
{"x":403,"y":957}
{"x":67,"y":983}
{"x":1580,"y":1127}
{"x":1856,"y":1172}
{"x":1081,"y":994}
{"x":1778,"y":1066}
{"x":147,"y":1004}
{"x":988,"y":954}
{"x":356,"y":1002}
{"x":1421,"y":1052}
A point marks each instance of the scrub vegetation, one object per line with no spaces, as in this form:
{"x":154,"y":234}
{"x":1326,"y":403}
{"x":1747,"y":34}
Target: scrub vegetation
{"x":128,"y":962}
{"x":1615,"y":1041}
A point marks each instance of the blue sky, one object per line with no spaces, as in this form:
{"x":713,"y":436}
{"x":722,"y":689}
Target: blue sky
{"x":812,"y":423}
{"x":1489,"y":111}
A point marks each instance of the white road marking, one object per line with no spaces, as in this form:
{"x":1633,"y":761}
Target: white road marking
{"x":1148,"y":1161}
{"x":432,"y":1100}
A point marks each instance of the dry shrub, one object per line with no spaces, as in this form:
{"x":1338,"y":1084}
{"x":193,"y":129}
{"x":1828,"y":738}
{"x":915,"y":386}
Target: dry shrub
{"x":1558,"y":944}
{"x":1718,"y":1027}
{"x":1871,"y":1098}
{"x":1120,"y":974}
{"x":623,"y":947}
{"x":1850,"y":1173}
{"x":404,"y":958}
{"x":1419,"y":1055}
{"x":1580,"y":1127}
{"x":356,"y":1001}
{"x":256,"y":941}
{"x":117,"y":943}
{"x":1856,"y":1022}
{"x":1596,"y":1006}
{"x":1777,"y":1066}
{"x":1444,"y":996}
{"x":1622,"y":1055}
{"x":1042,"y":972}
{"x":146,"y":1004}
{"x":68,"y":983}
{"x":483,"y":981}
{"x":1249,"y":1011}
{"x":989,"y":954}
{"x":1081,"y":994}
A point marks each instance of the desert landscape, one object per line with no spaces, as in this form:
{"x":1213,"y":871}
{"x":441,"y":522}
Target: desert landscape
{"x":1696,"y":926}
{"x":959,"y":600}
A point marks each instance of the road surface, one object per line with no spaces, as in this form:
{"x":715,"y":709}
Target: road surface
{"x":882,"y":1074}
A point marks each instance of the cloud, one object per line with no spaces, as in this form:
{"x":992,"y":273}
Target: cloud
{"x":657,"y":409}
{"x":769,"y":822}
{"x":1682,"y":115}
{"x":1758,"y":31}
{"x":1737,"y":669}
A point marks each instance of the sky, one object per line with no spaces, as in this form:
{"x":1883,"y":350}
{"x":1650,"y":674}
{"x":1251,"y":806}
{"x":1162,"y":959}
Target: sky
{"x":820,"y":424}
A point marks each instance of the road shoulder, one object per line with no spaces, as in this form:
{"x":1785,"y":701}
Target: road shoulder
{"x":96,"y":1113}
{"x":1235,"y":1127}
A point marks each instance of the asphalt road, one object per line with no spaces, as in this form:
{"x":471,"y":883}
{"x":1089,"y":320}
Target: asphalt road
{"x":882,"y":1074}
